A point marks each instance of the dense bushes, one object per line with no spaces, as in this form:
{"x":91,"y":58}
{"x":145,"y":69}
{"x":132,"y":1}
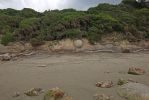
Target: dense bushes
{"x":8,"y":37}
{"x":128,"y":17}
{"x":29,"y":22}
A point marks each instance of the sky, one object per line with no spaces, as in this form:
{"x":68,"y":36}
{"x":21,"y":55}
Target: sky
{"x":42,"y":5}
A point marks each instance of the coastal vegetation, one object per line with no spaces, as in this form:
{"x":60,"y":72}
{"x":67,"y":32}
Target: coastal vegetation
{"x":128,"y":18}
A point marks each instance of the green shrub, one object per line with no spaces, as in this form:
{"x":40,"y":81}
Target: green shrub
{"x":36,"y":42}
{"x":73,"y":33}
{"x":8,"y":37}
{"x":29,"y":22}
{"x":94,"y":35}
{"x":105,"y":23}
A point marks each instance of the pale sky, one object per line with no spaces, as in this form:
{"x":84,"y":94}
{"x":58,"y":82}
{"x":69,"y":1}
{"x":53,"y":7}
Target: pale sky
{"x":42,"y":5}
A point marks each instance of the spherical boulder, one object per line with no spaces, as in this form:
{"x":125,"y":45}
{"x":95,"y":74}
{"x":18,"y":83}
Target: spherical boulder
{"x":78,"y":43}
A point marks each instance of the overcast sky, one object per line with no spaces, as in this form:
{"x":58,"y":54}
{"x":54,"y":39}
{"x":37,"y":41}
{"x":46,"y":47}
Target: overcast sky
{"x":41,"y":5}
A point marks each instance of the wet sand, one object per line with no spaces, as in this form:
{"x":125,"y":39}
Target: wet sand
{"x":76,"y":74}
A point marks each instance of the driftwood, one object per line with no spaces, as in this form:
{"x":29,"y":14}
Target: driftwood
{"x":139,"y":50}
{"x":99,"y":50}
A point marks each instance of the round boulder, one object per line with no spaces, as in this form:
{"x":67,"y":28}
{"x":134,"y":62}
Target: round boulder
{"x":78,"y":43}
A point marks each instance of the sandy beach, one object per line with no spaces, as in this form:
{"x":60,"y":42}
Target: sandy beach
{"x":76,"y":74}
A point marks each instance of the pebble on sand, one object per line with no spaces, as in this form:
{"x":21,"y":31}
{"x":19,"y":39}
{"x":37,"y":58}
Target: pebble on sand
{"x":107,"y":84}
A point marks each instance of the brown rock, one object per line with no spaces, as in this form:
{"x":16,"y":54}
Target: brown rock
{"x":54,"y":94}
{"x":126,"y":51}
{"x":101,"y":97}
{"x":34,"y":92}
{"x":108,"y":84}
{"x":136,"y":71}
{"x":16,"y":94}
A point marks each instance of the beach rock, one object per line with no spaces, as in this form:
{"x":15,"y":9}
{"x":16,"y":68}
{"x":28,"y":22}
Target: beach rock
{"x":101,"y":97}
{"x":42,"y":66}
{"x":54,"y":94}
{"x":16,"y":94}
{"x":78,"y":43}
{"x":134,"y":91}
{"x":121,"y":81}
{"x":126,"y":51}
{"x":109,"y":46}
{"x":107,"y":84}
{"x":67,"y":98}
{"x":136,"y":71}
{"x":34,"y":92}
{"x":5,"y":57}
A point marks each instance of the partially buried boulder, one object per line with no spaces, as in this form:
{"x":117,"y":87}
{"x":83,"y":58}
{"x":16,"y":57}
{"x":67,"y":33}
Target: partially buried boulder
{"x":134,"y":91}
{"x":5,"y":57}
{"x":78,"y":43}
{"x":136,"y":71}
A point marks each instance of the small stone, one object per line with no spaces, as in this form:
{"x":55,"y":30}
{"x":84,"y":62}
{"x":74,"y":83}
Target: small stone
{"x":42,"y":66}
{"x":121,"y":81}
{"x":16,"y":94}
{"x":126,"y":51}
{"x":108,"y":84}
{"x":101,"y":97}
{"x":68,"y":98}
{"x":34,"y":92}
{"x":55,"y":93}
{"x":136,"y":71}
{"x":107,"y":72}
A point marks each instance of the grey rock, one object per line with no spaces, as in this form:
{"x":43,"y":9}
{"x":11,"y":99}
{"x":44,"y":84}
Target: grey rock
{"x":78,"y":43}
{"x":134,"y":91}
{"x":101,"y":97}
{"x":5,"y":57}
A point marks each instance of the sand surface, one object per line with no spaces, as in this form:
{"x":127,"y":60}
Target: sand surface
{"x":76,"y":74}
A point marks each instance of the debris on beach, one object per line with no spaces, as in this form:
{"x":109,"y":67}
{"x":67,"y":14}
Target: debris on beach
{"x":136,"y":71}
{"x":131,"y":80}
{"x":68,"y":98}
{"x":34,"y":92}
{"x":42,"y":66}
{"x":107,"y":72}
{"x":126,"y":51}
{"x":101,"y":97}
{"x":54,"y":94}
{"x":122,"y":81}
{"x":16,"y":94}
{"x":107,"y":84}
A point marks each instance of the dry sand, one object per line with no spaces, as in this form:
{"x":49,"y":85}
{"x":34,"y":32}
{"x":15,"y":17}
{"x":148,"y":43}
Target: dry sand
{"x":76,"y":74}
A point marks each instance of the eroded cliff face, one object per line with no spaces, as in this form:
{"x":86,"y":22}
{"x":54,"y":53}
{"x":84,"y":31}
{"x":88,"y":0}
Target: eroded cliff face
{"x":83,"y":45}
